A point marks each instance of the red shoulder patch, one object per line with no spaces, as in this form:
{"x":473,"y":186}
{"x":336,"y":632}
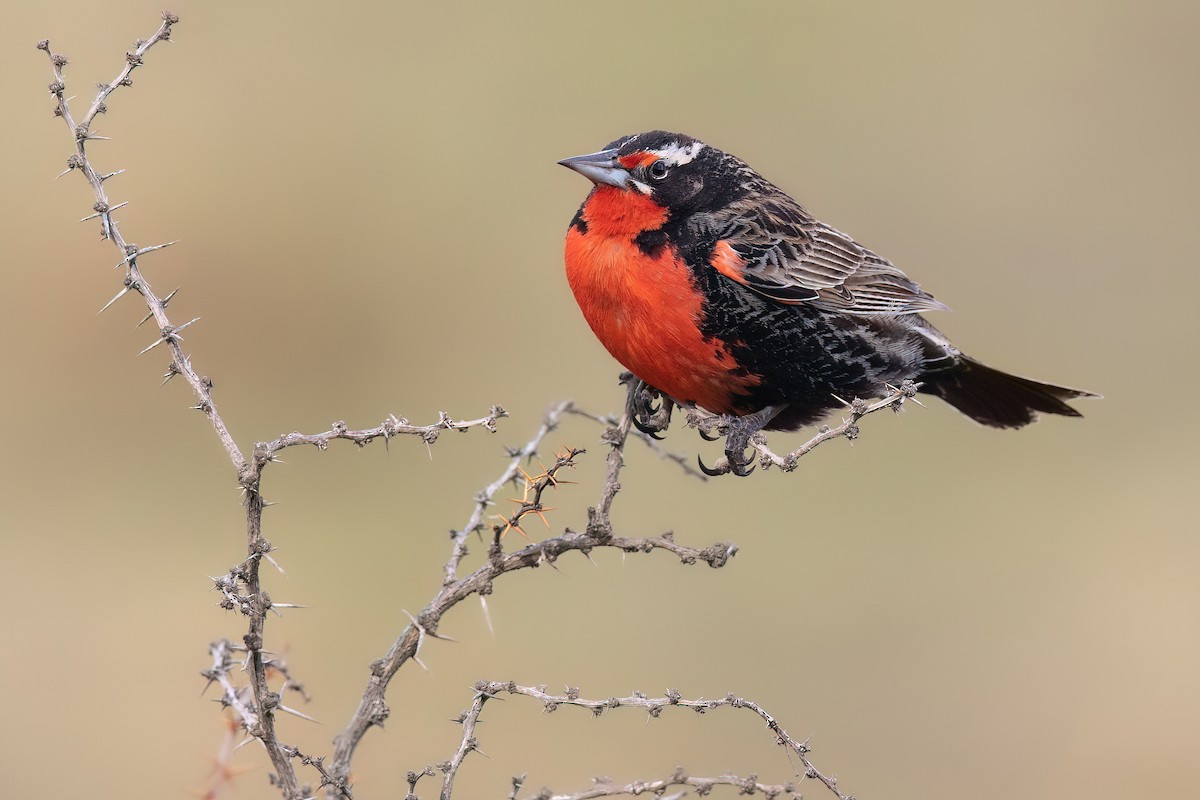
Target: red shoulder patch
{"x":726,"y":261}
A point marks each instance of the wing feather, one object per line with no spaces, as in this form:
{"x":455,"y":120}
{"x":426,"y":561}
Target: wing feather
{"x":774,"y":247}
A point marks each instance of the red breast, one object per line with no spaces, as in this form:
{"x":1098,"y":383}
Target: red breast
{"x":645,"y":307}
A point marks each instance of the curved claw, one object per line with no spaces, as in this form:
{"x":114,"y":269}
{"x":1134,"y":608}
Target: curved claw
{"x":742,"y":470}
{"x":649,"y":409}
{"x":649,"y":429}
{"x":708,"y":437}
{"x":645,"y":404}
{"x":739,"y":463}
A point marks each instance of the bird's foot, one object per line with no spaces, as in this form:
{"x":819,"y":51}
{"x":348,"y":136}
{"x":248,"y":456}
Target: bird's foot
{"x":649,"y":409}
{"x":740,"y":430}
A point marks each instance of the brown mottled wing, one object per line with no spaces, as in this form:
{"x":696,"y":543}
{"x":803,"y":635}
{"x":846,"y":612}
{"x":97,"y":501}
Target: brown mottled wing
{"x":771,"y":245}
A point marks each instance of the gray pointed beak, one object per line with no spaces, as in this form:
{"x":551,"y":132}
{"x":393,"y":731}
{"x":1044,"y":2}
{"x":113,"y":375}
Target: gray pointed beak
{"x":599,"y":168}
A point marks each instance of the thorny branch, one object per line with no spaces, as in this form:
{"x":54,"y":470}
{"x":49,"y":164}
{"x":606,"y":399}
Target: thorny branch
{"x":265,"y":452}
{"x":603,"y":787}
{"x":134,"y":280}
{"x":654,"y":706}
{"x":709,"y":424}
{"x":468,"y":719}
{"x":257,"y":712}
{"x":239,"y":701}
{"x":373,"y":709}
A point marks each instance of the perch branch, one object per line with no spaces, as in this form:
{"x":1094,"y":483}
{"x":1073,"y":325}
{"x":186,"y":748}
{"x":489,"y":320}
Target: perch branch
{"x":709,"y":424}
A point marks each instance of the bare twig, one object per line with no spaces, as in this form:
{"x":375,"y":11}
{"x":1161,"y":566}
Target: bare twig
{"x":233,"y":697}
{"x":392,"y":426}
{"x":708,"y":424}
{"x":265,"y":700}
{"x":468,"y":719}
{"x":339,"y":787}
{"x":603,"y":787}
{"x":135,"y":280}
{"x":654,"y":706}
{"x":414,"y":778}
{"x":599,"y":523}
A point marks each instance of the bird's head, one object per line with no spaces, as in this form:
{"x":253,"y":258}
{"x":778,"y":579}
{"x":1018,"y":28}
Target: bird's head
{"x":677,"y":172}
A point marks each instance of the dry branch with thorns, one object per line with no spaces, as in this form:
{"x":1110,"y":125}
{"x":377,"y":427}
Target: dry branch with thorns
{"x":253,"y":681}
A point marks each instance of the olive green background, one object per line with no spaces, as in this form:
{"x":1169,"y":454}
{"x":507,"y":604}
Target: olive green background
{"x":371,"y":222}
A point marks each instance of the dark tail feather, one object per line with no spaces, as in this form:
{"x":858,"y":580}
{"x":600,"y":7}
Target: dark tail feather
{"x":995,"y":398}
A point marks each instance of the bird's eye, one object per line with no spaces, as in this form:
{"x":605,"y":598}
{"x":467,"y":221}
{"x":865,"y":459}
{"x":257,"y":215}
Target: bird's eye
{"x":658,"y":170}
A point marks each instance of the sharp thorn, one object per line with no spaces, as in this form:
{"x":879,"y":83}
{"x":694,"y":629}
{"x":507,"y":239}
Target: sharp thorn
{"x":110,"y":302}
{"x":154,"y":247}
{"x":167,"y":299}
{"x":103,"y":178}
{"x":293,"y":711}
{"x":145,"y":319}
{"x":157,"y":342}
{"x":487,"y":615}
{"x":184,"y":325}
{"x":275,"y":563}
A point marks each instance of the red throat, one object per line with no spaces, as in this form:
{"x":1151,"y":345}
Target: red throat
{"x":610,"y":211}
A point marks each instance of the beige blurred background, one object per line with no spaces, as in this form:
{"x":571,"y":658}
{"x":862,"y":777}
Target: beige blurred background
{"x":371,"y":222}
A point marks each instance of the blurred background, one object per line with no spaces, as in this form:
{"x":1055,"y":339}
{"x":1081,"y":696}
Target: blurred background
{"x":371,"y":222}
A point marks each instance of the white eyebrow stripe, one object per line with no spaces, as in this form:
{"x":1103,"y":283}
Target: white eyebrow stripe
{"x":644,"y":188}
{"x":677,"y":155}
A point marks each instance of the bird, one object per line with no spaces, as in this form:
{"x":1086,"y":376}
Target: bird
{"x":716,"y":289}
